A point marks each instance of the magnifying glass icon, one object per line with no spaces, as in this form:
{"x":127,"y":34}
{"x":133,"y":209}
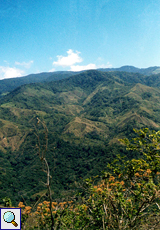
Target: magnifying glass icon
{"x":9,"y":217}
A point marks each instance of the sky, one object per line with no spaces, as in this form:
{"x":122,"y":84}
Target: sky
{"x":57,"y":35}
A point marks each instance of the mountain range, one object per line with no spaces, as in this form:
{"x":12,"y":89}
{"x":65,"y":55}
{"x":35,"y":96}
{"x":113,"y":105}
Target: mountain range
{"x":7,"y":85}
{"x":85,"y":112}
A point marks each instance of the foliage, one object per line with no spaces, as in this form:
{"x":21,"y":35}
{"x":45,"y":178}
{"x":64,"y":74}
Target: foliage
{"x":7,"y":202}
{"x":148,"y":143}
{"x":127,"y":196}
{"x":8,"y":85}
{"x":85,"y":115}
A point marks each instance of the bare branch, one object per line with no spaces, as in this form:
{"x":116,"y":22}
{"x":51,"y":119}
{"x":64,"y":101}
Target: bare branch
{"x":42,"y":153}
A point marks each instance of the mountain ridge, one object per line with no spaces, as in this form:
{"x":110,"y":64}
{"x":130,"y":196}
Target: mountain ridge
{"x":7,"y":85}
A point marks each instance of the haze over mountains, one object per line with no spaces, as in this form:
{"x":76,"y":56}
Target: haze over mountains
{"x":85,"y":112}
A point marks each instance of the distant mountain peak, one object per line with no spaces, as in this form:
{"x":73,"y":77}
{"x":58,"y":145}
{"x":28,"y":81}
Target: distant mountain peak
{"x":127,"y":68}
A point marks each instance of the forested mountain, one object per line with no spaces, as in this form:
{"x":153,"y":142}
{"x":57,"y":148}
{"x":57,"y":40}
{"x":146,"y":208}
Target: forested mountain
{"x":85,"y":115}
{"x":132,"y":69}
{"x":7,"y":85}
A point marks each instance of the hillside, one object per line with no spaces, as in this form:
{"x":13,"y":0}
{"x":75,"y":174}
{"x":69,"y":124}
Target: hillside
{"x":85,"y":115}
{"x":8,"y":85}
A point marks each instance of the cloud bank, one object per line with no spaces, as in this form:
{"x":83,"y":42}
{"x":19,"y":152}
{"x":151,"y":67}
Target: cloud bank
{"x":73,"y":58}
{"x":9,"y":72}
{"x":12,"y":72}
{"x":83,"y":67}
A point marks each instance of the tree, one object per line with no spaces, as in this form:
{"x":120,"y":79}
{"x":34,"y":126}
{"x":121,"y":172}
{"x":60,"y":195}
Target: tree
{"x":125,"y":197}
{"x":128,"y":195}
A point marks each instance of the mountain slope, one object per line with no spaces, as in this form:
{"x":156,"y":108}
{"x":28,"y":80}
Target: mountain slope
{"x":85,"y":115}
{"x":7,"y":85}
{"x":92,"y":95}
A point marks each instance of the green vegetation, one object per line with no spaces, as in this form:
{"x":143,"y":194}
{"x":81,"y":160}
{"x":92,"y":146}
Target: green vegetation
{"x":85,"y":114}
{"x":7,"y":85}
{"x":125,"y":196}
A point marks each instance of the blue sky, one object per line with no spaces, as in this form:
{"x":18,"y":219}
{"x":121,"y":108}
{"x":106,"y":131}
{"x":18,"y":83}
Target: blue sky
{"x":52,"y":35}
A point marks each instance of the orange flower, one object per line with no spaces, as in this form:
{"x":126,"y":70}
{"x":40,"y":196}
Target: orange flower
{"x":149,"y":171}
{"x":137,"y":174}
{"x":47,"y":210}
{"x":113,"y":184}
{"x":112,"y":178}
{"x":27,"y":212}
{"x":46,"y":203}
{"x":28,"y":208}
{"x":54,"y":203}
{"x":38,"y":209}
{"x":122,"y":182}
{"x":21,"y":205}
{"x":99,"y":190}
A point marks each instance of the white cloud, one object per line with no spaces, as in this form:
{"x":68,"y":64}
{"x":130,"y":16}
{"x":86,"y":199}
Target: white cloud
{"x":26,"y":65}
{"x":9,"y":72}
{"x":83,"y":67}
{"x":89,"y":66}
{"x":71,"y":59}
